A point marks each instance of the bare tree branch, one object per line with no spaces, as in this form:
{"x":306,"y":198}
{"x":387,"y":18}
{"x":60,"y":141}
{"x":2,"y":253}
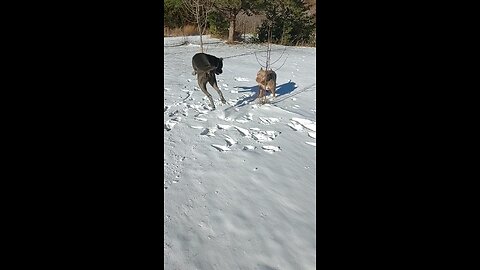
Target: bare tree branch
{"x":280,"y":56}
{"x":282,"y":64}
{"x":199,"y":9}
{"x":268,"y":63}
{"x":259,"y":62}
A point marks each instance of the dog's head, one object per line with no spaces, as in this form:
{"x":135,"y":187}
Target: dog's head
{"x":261,"y":75}
{"x":261,"y":72}
{"x":219,"y":70}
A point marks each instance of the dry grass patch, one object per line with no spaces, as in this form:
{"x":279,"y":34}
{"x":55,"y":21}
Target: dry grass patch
{"x":188,"y":30}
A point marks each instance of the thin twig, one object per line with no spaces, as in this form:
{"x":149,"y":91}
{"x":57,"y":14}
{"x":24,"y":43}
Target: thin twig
{"x":282,"y":64}
{"x":258,"y":60}
{"x":280,"y":56}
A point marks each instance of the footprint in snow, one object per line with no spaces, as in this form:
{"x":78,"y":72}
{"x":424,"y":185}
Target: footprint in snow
{"x":177,"y":119}
{"x":245,"y":119}
{"x":295,"y":126}
{"x":308,"y":124}
{"x":199,"y":114}
{"x":261,"y":137}
{"x":200,"y":119}
{"x":230,"y":141}
{"x":265,"y":136}
{"x":249,"y":147}
{"x":271,"y":133}
{"x":243,"y":131}
{"x":173,"y":113}
{"x":200,"y":111}
{"x":271,"y":149}
{"x":221,"y":148}
{"x":170,"y":124}
{"x":222,"y":117}
{"x":226,"y":127}
{"x":268,"y":120}
{"x":210,"y":132}
{"x":242,"y":121}
{"x":194,"y":106}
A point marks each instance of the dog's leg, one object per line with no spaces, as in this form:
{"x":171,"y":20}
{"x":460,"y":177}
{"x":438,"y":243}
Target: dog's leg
{"x":261,"y":93}
{"x":202,"y":82}
{"x":213,"y":82}
{"x":264,"y":97}
{"x":274,"y":86}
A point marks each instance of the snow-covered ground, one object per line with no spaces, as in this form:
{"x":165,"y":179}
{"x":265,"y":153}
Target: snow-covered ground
{"x":239,"y":183}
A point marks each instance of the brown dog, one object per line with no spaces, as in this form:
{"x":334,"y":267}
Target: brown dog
{"x":267,"y":80}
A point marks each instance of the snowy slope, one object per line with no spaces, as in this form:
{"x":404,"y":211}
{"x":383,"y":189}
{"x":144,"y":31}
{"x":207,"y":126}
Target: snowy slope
{"x":239,"y":181}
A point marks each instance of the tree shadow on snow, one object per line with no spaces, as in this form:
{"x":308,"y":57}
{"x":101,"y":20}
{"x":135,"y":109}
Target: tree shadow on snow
{"x":285,"y":88}
{"x":281,"y":90}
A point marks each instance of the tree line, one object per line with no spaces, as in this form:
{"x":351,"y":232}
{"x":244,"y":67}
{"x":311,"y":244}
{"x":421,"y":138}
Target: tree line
{"x":289,"y":22}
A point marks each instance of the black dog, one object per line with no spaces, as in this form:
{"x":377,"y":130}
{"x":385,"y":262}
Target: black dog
{"x":206,"y":66}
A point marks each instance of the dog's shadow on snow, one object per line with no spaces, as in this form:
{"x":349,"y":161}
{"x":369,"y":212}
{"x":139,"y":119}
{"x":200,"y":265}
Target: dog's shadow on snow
{"x":281,"y":90}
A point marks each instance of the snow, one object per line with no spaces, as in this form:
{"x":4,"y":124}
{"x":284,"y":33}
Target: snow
{"x":239,"y":182}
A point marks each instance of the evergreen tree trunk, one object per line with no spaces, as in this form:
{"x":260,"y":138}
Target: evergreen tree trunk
{"x":199,"y":26}
{"x":231,"y":29}
{"x":201,"y":40}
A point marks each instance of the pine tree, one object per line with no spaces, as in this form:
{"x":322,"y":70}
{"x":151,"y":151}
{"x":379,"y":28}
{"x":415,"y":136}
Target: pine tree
{"x":289,"y":22}
{"x":175,"y":14}
{"x":230,"y":9}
